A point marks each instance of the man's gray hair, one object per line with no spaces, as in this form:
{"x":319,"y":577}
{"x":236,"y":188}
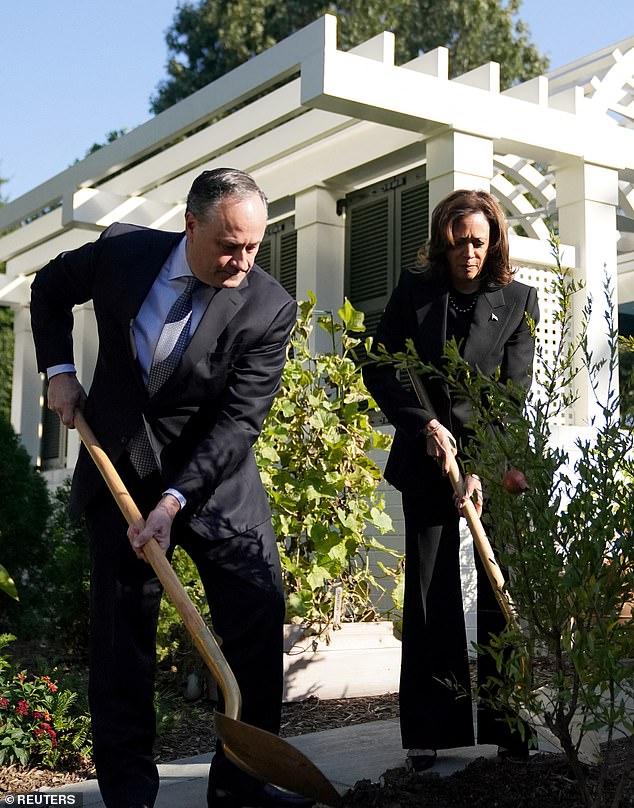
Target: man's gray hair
{"x":211,"y":187}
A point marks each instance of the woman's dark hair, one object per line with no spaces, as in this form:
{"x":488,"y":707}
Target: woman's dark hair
{"x":211,"y":187}
{"x":458,"y":204}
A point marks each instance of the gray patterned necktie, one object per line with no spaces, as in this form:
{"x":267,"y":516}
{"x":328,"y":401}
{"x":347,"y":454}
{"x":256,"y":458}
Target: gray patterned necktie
{"x":170,"y":347}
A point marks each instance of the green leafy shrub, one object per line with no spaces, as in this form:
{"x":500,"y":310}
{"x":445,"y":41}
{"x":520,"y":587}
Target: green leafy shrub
{"x":322,"y":484}
{"x":24,"y":509}
{"x":39,"y":723}
{"x":313,"y":459}
{"x":63,"y":615}
{"x":569,"y":547}
{"x":54,"y":581}
{"x":7,"y":584}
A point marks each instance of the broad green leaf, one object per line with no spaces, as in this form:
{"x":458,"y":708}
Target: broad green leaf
{"x":7,"y":584}
{"x":317,"y":577}
{"x":352,"y":319}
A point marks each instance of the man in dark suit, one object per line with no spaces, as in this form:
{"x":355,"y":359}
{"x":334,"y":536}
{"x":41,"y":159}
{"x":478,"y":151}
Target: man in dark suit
{"x":192,"y":343}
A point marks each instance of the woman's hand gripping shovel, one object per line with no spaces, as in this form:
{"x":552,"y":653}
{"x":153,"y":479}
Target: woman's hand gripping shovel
{"x":589,"y":748}
{"x":259,"y":753}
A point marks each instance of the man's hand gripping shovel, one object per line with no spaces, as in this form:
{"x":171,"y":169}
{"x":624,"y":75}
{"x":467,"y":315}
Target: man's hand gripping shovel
{"x":259,"y":753}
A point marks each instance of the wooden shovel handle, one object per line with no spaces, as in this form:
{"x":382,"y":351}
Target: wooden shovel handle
{"x":483,"y":546}
{"x":203,"y":638}
{"x":480,"y":539}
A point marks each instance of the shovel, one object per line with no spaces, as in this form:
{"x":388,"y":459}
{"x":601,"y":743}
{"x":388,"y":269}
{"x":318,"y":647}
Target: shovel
{"x":257,"y":752}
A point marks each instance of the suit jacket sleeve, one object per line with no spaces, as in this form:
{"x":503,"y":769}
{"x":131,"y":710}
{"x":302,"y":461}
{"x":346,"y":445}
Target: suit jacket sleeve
{"x":65,"y":282}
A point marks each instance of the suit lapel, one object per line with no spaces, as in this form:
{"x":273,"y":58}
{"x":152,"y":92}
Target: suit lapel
{"x":140,"y":271}
{"x":432,"y":324}
{"x":486,"y":327}
{"x":223,"y":307}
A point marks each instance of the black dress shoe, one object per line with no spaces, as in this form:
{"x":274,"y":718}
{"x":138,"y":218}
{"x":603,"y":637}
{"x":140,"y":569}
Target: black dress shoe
{"x":518,"y":755}
{"x":420,"y":760}
{"x":257,"y":795}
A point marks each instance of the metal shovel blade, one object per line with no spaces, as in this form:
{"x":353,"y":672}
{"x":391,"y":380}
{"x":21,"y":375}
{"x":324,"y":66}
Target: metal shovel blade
{"x":262,"y":752}
{"x":259,"y":753}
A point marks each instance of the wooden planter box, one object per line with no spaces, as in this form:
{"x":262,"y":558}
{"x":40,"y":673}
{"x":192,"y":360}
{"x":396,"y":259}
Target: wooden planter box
{"x":359,"y":659}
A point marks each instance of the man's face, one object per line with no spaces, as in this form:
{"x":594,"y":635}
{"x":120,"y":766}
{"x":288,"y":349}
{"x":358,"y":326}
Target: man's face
{"x":221,"y":250}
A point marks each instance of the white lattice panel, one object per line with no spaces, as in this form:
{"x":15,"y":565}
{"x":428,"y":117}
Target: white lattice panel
{"x":548,"y":330}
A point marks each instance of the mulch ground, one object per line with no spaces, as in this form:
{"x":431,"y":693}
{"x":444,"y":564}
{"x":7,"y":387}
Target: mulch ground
{"x":193,"y":734}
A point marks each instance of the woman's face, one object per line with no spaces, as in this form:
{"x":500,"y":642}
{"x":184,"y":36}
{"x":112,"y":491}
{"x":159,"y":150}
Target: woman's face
{"x":466,"y":258}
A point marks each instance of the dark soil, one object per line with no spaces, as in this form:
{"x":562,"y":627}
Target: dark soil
{"x":545,"y":781}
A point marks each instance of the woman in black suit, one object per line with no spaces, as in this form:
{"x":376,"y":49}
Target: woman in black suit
{"x":463,"y":289}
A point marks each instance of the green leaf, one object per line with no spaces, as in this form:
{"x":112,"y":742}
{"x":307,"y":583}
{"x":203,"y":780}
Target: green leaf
{"x":381,"y":519}
{"x":7,"y":584}
{"x":317,"y":577}
{"x":352,"y":319}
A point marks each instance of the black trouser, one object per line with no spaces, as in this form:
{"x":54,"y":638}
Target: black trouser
{"x":435,"y":691}
{"x":242,"y":581}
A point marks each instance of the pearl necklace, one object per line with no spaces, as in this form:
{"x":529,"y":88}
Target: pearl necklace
{"x":463,"y":309}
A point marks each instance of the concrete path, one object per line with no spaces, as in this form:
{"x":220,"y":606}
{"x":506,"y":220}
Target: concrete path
{"x":345,"y":755}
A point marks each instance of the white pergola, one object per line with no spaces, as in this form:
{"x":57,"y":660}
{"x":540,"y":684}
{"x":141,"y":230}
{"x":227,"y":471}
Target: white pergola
{"x":313,"y":123}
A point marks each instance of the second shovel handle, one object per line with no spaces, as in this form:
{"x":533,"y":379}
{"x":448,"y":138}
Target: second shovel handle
{"x":483,"y":546}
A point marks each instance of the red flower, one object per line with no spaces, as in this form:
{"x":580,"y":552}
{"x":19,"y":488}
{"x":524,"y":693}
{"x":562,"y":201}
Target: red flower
{"x":22,"y":708}
{"x":21,"y":676}
{"x":49,"y":683}
{"x":45,"y":728}
{"x":4,"y":703}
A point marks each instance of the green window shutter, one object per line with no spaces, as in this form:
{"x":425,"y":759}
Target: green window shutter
{"x":53,"y":440}
{"x":264,"y":256}
{"x":278,"y":253}
{"x":369,"y":255}
{"x":288,"y":262}
{"x":413,"y":224}
{"x":386,"y":225}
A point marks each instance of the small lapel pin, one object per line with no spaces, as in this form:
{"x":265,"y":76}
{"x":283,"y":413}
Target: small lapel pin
{"x":493,"y":316}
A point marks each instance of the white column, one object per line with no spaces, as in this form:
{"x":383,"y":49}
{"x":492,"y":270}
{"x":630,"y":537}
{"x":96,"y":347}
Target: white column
{"x":587,"y":199}
{"x":457,"y":160}
{"x":320,"y":252}
{"x":27,"y":385}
